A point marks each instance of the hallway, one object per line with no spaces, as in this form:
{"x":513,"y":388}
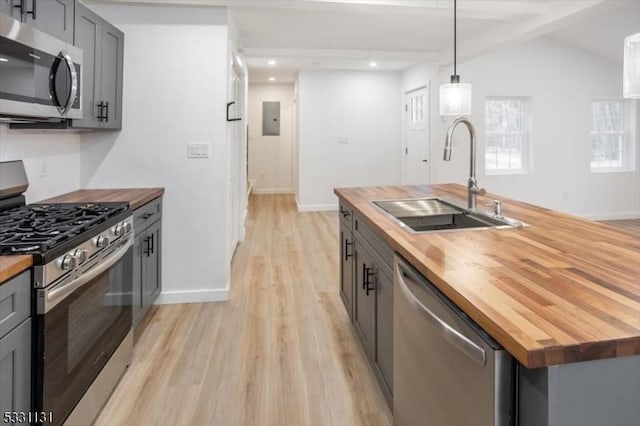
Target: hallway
{"x":281,"y":351}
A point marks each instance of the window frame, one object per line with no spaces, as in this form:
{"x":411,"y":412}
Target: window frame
{"x":526,"y":136}
{"x":627,"y":153}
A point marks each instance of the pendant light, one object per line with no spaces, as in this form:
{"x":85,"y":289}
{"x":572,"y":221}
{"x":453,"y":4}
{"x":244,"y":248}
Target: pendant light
{"x":631,"y":73}
{"x":455,"y":97}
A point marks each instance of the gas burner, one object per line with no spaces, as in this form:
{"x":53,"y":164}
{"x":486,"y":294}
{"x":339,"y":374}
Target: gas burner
{"x":37,"y":228}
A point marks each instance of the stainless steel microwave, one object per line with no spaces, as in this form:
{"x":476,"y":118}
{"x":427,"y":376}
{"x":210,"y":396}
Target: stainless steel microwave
{"x":39,"y":75}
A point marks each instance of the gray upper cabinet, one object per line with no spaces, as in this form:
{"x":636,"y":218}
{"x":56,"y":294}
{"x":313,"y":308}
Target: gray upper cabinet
{"x":54,"y":17}
{"x":103,"y":47}
{"x":111,"y":81}
{"x":88,"y":27}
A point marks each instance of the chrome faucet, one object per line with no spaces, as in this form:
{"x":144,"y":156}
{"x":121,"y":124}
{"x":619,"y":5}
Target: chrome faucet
{"x":473,"y":183}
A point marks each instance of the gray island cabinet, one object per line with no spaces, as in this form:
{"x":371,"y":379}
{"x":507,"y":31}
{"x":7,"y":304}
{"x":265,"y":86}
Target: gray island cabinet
{"x":15,"y":345}
{"x":597,"y":386}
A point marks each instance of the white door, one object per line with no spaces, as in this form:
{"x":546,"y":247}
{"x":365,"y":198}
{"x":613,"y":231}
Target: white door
{"x":235,"y":161}
{"x":416,"y":138}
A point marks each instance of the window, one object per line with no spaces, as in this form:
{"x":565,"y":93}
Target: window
{"x":506,"y":127}
{"x":418,"y":108}
{"x":607,"y":135}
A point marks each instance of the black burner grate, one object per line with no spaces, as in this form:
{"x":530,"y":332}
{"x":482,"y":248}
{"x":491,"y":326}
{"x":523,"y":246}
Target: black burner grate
{"x":37,"y":228}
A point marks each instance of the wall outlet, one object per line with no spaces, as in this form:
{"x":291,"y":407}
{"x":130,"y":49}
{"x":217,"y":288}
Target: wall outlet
{"x":198,"y":150}
{"x":343,"y":140}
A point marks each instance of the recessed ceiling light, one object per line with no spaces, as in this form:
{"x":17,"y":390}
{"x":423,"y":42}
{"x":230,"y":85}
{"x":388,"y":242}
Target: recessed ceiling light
{"x":271,"y":62}
{"x":4,"y":60}
{"x":373,"y":64}
{"x":272,"y":79}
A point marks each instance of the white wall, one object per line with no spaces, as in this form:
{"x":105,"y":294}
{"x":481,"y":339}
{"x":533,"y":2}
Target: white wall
{"x":51,"y":159}
{"x":271,"y":157}
{"x":561,"y":81}
{"x":362,"y":106}
{"x":168,"y":103}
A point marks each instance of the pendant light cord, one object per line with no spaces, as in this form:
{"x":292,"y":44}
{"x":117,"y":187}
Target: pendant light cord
{"x":454,"y":37}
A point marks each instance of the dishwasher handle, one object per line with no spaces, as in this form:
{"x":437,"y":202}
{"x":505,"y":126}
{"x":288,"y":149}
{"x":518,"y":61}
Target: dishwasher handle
{"x":457,"y":339}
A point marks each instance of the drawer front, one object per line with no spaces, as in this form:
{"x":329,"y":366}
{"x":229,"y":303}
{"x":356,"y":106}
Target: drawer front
{"x":380,"y":247}
{"x":147,"y":214}
{"x":15,"y":302}
{"x":346,"y":216}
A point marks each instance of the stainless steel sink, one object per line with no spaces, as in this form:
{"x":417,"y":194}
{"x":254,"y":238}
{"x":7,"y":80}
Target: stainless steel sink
{"x":421,"y":215}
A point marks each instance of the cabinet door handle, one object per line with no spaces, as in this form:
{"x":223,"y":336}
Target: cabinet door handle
{"x":32,"y":12}
{"x":368,"y":275}
{"x":100,"y":108}
{"x":20,"y":6}
{"x":106,"y":116}
{"x":153,"y":243}
{"x":347,"y":244}
{"x":147,"y":246}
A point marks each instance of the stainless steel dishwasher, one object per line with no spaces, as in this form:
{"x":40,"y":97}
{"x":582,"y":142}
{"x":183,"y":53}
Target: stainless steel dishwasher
{"x":446,"y":370}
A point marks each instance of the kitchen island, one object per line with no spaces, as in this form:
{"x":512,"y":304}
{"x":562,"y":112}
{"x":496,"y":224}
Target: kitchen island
{"x":561,"y":295}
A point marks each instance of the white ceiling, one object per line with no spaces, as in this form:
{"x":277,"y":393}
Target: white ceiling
{"x":603,"y":34}
{"x":348,"y":34}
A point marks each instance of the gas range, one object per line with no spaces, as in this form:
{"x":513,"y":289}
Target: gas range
{"x":48,"y":231}
{"x":82,"y":295}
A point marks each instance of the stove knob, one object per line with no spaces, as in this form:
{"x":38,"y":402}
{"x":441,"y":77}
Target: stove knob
{"x":69,"y":262}
{"x":128,"y":227}
{"x":119,"y":230}
{"x":81,"y":255}
{"x":102,"y":241}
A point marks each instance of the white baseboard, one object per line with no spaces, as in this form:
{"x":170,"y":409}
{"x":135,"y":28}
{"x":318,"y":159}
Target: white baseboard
{"x":193,"y":296}
{"x":612,"y":216}
{"x":272,"y":191}
{"x":316,"y":207}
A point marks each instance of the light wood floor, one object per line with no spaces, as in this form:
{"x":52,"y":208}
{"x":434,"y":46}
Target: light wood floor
{"x":630,"y":224}
{"x":280,"y":352}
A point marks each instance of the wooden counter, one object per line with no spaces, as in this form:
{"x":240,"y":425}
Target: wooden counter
{"x":136,"y":197}
{"x":10,"y":266}
{"x":561,"y":290}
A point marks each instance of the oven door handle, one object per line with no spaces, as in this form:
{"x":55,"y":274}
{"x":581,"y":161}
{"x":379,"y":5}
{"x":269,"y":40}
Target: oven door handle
{"x":58,"y":294}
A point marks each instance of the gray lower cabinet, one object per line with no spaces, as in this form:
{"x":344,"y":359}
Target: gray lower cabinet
{"x":103,"y":48}
{"x":346,"y":268}
{"x":364,"y":298}
{"x":15,"y":345}
{"x":366,"y":276}
{"x":54,"y":17}
{"x":384,"y":330}
{"x":11,"y":8}
{"x":147,"y":268}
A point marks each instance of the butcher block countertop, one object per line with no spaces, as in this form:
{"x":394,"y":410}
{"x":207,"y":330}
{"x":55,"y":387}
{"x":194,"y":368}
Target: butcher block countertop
{"x":136,"y":197}
{"x":561,"y":290}
{"x":10,"y":266}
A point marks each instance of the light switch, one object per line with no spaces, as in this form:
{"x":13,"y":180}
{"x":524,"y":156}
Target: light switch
{"x":198,"y":150}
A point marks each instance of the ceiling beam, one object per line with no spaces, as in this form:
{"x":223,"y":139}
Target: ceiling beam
{"x":562,"y":15}
{"x":471,"y":9}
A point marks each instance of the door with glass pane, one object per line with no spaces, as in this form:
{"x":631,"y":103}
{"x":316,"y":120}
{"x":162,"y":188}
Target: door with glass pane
{"x":415,"y":153}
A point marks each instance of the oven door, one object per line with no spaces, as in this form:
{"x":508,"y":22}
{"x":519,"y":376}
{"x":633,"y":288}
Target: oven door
{"x":40,"y":75}
{"x":80,"y":324}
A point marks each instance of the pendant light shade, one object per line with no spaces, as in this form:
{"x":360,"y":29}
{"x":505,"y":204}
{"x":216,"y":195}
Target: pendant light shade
{"x":631,"y":73}
{"x":455,"y":97}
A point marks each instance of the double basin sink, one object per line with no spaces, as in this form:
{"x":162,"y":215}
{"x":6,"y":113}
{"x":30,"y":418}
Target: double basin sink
{"x":421,"y":215}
